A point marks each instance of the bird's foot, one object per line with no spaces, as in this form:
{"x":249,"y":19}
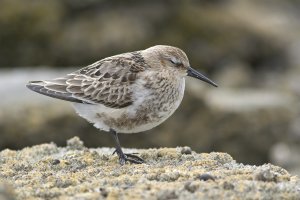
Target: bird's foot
{"x":126,"y":157}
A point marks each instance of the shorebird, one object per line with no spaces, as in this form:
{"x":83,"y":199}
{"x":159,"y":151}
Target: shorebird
{"x":126,"y":93}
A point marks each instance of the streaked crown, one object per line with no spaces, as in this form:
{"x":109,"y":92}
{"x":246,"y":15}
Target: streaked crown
{"x":167,"y":56}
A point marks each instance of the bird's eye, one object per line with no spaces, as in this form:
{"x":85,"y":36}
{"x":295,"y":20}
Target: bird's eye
{"x":175,"y":62}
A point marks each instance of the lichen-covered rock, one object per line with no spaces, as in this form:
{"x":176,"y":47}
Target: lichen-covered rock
{"x":47,"y":171}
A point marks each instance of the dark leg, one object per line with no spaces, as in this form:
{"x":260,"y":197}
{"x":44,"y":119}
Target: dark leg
{"x":122,"y":156}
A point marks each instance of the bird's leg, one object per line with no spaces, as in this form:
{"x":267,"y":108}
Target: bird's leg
{"x":122,"y":156}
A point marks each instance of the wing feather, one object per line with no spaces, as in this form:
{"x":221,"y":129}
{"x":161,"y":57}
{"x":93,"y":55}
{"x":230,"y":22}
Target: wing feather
{"x":108,"y":82}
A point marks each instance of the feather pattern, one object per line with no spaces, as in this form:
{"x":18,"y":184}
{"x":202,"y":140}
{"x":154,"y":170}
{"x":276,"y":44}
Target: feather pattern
{"x":108,"y":82}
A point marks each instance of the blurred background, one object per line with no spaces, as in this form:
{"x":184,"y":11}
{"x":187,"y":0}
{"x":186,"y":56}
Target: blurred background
{"x":250,"y":48}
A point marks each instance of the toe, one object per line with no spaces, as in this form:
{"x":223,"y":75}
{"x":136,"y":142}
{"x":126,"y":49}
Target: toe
{"x":134,"y":161}
{"x":135,"y":157}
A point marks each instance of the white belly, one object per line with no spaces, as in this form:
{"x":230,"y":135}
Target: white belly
{"x":91,"y":114}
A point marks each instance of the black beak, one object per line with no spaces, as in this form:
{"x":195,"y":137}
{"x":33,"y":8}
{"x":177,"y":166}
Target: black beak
{"x":193,"y":73}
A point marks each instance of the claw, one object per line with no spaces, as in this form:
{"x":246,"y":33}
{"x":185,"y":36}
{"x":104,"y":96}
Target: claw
{"x":130,"y":160}
{"x":123,"y":158}
{"x":137,"y":158}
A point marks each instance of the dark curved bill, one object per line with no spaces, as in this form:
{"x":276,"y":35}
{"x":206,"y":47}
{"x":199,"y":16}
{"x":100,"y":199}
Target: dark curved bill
{"x":193,"y":73}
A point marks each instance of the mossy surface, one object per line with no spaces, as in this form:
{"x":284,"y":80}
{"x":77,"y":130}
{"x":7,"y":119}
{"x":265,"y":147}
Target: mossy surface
{"x":46,"y":171}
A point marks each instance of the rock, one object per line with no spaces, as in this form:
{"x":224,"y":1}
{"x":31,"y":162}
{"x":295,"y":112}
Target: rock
{"x":186,"y":150}
{"x":205,"y":177}
{"x":47,"y":171}
{"x":267,"y":173}
{"x":75,"y":144}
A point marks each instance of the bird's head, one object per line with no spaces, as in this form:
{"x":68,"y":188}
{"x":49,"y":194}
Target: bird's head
{"x":174,"y":59}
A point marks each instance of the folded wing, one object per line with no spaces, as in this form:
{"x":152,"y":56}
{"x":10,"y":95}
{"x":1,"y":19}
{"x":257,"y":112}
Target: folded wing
{"x":108,"y":82}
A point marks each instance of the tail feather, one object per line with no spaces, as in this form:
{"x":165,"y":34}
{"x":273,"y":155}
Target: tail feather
{"x":52,"y":90}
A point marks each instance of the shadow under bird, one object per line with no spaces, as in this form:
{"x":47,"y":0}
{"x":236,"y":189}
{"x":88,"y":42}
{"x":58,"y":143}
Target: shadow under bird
{"x":126,"y":93}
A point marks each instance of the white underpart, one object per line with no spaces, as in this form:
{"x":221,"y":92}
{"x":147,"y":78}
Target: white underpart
{"x":89,"y":112}
{"x":141,"y":95}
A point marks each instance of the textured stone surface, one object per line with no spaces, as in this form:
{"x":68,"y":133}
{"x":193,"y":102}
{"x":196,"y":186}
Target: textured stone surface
{"x":47,"y":171}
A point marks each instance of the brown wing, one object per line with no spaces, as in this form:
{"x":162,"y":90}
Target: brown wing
{"x":108,"y":82}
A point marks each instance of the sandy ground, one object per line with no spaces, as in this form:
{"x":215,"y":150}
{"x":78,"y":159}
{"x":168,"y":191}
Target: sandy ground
{"x":75,"y":172}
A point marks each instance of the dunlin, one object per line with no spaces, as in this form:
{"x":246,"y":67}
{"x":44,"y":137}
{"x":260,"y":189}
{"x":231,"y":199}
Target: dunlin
{"x":126,"y":93}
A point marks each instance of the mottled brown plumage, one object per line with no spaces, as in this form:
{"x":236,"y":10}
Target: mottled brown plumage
{"x":107,"y":82}
{"x":126,"y":93}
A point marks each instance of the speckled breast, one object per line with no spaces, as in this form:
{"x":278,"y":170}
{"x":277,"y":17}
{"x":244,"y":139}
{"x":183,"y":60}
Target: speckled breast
{"x":155,"y":107}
